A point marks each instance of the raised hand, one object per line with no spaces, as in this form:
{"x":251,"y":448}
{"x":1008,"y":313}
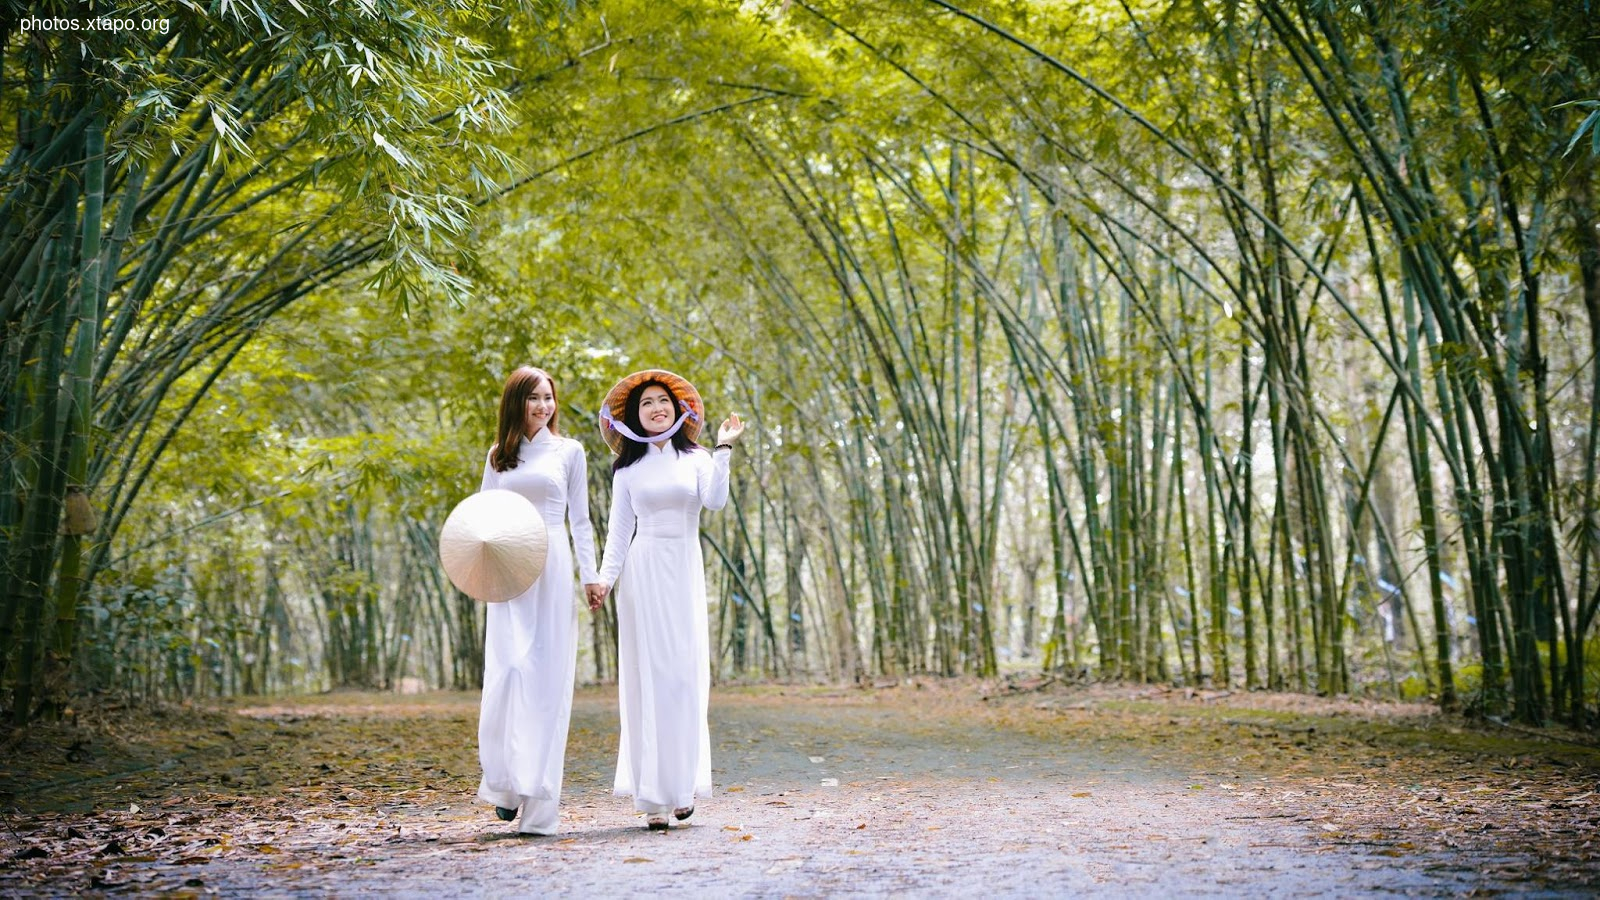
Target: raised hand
{"x":730,"y":430}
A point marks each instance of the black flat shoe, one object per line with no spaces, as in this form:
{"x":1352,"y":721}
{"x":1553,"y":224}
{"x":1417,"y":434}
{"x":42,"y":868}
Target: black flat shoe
{"x":656,"y":823}
{"x":505,"y":814}
{"x":683,"y":813}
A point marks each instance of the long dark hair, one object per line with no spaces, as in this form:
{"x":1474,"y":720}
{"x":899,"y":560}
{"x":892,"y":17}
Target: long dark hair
{"x":632,"y":450}
{"x":520,"y":385}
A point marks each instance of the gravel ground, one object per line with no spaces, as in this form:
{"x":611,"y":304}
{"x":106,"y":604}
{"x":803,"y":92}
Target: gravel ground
{"x":818,"y":794}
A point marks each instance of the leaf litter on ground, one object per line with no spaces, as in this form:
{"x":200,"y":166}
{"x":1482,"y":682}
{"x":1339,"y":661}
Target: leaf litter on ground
{"x":123,"y":798}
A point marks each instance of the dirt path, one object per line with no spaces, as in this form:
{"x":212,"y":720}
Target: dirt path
{"x":911,"y":791}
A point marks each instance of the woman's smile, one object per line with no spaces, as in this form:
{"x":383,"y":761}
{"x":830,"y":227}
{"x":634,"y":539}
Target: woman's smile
{"x":655,"y":409}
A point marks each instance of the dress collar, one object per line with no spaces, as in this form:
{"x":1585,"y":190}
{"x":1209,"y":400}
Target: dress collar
{"x":542,"y":436}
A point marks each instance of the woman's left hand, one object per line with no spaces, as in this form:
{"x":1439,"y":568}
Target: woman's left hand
{"x":730,"y":430}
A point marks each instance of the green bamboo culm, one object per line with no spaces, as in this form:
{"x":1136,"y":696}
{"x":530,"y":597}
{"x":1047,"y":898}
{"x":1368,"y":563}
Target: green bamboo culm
{"x":78,"y":406}
{"x":46,"y":494}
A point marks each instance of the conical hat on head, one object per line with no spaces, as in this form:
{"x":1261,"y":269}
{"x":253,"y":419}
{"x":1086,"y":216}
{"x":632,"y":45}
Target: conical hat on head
{"x":616,"y":403}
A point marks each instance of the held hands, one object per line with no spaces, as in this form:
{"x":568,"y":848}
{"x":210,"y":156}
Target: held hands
{"x":595,"y":594}
{"x":730,"y":430}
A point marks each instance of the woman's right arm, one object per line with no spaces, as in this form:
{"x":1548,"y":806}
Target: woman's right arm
{"x":490,"y":476}
{"x":619,"y":530}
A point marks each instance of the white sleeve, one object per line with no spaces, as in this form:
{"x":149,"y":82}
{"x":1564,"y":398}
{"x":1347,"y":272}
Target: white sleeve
{"x":578,"y":512}
{"x":619,"y":530}
{"x":712,"y":477}
{"x":490,"y":476}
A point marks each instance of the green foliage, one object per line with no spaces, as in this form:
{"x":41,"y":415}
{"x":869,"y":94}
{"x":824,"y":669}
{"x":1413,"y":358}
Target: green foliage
{"x":1188,"y":323}
{"x":229,"y":162}
{"x":1414,"y":689}
{"x":1590,"y":126}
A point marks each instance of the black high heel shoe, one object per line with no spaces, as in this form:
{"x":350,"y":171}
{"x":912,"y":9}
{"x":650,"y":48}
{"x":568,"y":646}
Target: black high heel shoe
{"x":683,"y":812}
{"x":505,"y":813}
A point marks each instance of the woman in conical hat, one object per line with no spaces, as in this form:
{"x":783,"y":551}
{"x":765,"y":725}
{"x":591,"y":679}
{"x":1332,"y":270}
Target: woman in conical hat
{"x":661,"y":480}
{"x":530,"y":645}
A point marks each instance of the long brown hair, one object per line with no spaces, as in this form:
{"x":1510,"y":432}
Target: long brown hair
{"x":520,"y":385}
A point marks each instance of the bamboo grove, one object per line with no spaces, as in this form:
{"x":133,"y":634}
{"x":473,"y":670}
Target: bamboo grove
{"x":171,"y":188}
{"x":1241,"y":379}
{"x":1217,"y":343}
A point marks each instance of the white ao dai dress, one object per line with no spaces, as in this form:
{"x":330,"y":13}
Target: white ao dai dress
{"x":663,"y":647}
{"x":530,"y":646}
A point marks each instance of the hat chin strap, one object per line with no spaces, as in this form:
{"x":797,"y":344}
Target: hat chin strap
{"x":622,"y":428}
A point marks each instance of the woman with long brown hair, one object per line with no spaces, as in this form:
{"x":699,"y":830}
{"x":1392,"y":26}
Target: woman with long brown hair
{"x":530,"y":647}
